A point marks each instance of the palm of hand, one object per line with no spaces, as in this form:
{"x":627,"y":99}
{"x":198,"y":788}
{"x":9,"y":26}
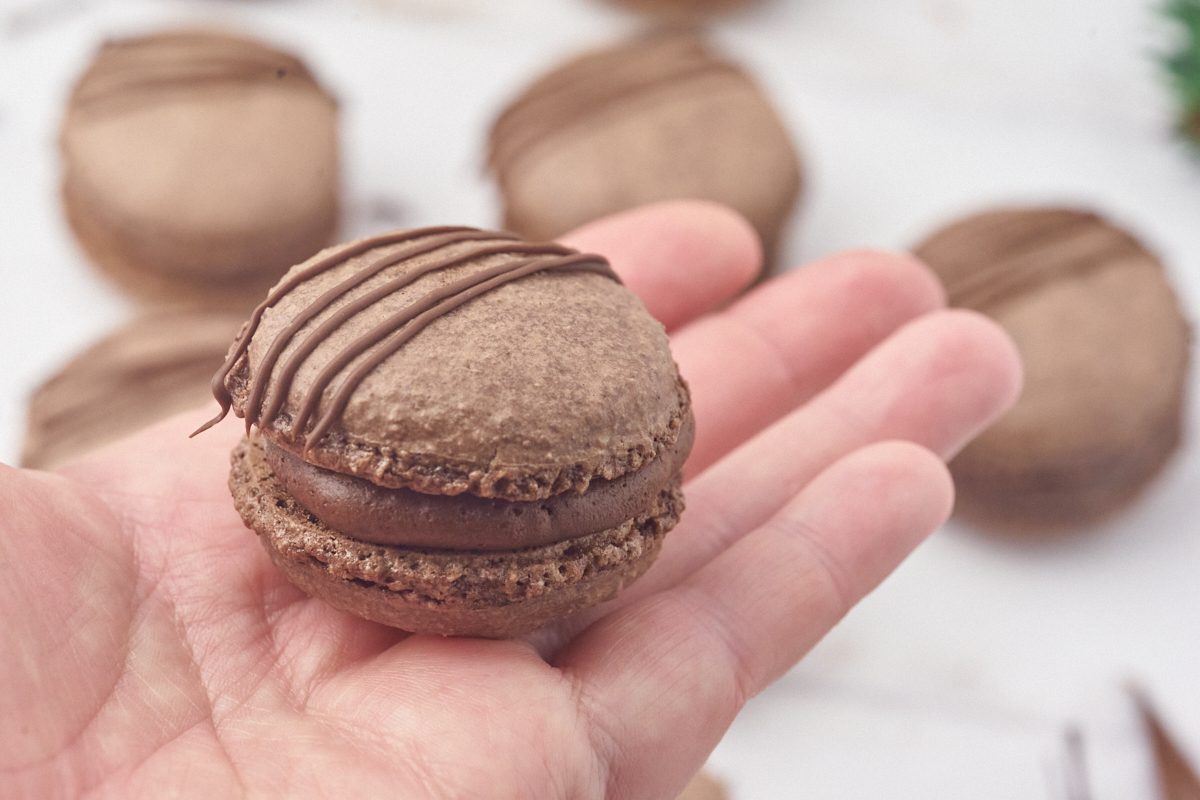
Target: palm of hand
{"x":191,"y":661}
{"x":150,"y":644}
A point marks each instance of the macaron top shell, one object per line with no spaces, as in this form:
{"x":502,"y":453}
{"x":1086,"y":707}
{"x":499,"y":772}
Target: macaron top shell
{"x":657,"y":118}
{"x":531,"y":388}
{"x":996,"y":255}
{"x":1101,"y":334}
{"x":217,"y":142}
{"x":575,"y":92}
{"x":1102,"y":363}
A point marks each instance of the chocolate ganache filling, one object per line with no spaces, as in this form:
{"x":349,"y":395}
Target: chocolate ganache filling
{"x":363,"y":510}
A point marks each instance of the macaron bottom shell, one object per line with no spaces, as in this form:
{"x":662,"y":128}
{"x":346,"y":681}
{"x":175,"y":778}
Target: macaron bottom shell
{"x":498,"y":594}
{"x":1047,"y":499}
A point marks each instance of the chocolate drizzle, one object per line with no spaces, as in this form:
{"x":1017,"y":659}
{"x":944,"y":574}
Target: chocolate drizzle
{"x":129,"y":69}
{"x":588,"y":85}
{"x":389,"y":335}
{"x":322,"y":332}
{"x":995,"y":257}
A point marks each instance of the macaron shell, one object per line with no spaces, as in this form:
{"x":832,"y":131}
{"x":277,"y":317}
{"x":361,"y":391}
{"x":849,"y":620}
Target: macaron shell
{"x":713,"y":139}
{"x":493,"y":595}
{"x":1100,"y":355}
{"x":182,"y":181}
{"x":1100,"y":412}
{"x":656,"y":118}
{"x":159,"y":364}
{"x":530,"y":389}
{"x":1106,"y":351}
{"x":215,"y":169}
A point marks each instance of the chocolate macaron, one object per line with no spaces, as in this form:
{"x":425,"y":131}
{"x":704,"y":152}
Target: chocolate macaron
{"x":159,"y":364}
{"x":1106,"y":352}
{"x":457,"y":432}
{"x":198,"y":166}
{"x":657,"y":118}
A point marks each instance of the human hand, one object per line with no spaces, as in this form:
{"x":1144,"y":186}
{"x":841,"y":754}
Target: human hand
{"x":149,"y":647}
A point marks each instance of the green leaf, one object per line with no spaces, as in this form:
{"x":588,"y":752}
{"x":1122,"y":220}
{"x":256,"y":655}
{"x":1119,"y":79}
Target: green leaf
{"x":1183,"y":66}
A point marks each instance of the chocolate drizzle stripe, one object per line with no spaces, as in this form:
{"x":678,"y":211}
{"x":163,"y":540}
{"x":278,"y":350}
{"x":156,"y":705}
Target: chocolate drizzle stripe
{"x":288,"y":372}
{"x":388,"y":336}
{"x":645,"y":54}
{"x":547,"y":109}
{"x":1075,"y":250}
{"x":593,"y":88}
{"x":323,"y":302}
{"x":649,"y":59}
{"x":145,"y":88}
{"x":219,"y":390}
{"x":402,"y":326}
{"x":181,"y":60}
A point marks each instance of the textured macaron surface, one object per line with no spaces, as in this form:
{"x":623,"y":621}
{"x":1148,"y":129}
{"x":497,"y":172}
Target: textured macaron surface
{"x":456,"y":592}
{"x":533,"y":386}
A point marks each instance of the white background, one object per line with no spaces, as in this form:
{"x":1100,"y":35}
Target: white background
{"x":958,"y":677}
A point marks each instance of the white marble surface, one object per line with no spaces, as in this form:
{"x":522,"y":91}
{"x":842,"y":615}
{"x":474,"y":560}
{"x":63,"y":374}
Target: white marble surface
{"x":958,"y":677}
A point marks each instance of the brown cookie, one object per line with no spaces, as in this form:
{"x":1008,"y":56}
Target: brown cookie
{"x":157,"y":365}
{"x":658,"y":118}
{"x":459,"y":432}
{"x":198,"y":166}
{"x":1105,"y":348}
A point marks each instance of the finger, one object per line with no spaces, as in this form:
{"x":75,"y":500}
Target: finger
{"x":682,"y":257}
{"x":788,"y":339}
{"x":689,"y":658}
{"x":937,"y":382}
